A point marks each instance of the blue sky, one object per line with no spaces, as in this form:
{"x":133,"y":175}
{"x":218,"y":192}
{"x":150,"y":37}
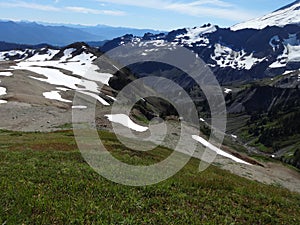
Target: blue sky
{"x":155,"y":14}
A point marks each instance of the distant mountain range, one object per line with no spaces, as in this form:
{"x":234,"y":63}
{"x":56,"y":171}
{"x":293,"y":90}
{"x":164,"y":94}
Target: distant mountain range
{"x":5,"y":46}
{"x":32,"y":33}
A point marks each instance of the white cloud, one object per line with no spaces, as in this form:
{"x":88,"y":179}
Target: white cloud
{"x":198,"y":8}
{"x":95,"y":11}
{"x":201,"y":11}
{"x":145,"y":3}
{"x":22,"y":4}
{"x":210,"y":2}
{"x":27,"y":5}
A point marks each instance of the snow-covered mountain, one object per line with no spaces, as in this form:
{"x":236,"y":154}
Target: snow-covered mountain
{"x":239,"y":53}
{"x":289,"y":14}
{"x":234,"y":55}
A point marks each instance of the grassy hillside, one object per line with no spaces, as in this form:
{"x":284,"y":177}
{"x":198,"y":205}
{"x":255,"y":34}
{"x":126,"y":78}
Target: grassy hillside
{"x":44,"y":180}
{"x":265,"y":115}
{"x":276,"y":133}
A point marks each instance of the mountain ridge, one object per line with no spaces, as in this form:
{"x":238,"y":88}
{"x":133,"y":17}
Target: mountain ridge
{"x":289,"y":14}
{"x":33,"y":33}
{"x":234,"y":55}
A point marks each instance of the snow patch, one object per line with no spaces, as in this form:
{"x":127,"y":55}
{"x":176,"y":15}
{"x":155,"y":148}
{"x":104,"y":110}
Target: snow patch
{"x":2,"y":91}
{"x":63,"y":89}
{"x":67,"y":54}
{"x":43,"y":57}
{"x":6,"y":74}
{"x":97,"y":97}
{"x":18,"y":55}
{"x":83,"y":57}
{"x":293,"y":53}
{"x":227,"y":90}
{"x":288,"y":72}
{"x":274,"y":45}
{"x":290,"y":54}
{"x":217,"y":150}
{"x":234,"y":136}
{"x":113,"y":98}
{"x":195,"y":35}
{"x":54,"y":95}
{"x":79,"y":107}
{"x":126,"y":121}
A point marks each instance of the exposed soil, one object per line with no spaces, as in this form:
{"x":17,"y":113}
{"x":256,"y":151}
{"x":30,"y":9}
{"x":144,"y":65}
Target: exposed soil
{"x":272,"y":173}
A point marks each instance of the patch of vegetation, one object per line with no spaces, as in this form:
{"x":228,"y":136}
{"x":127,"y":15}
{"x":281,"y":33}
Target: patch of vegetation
{"x":44,"y":180}
{"x":234,"y":145}
{"x":66,"y":126}
{"x":292,"y":158}
{"x":275,"y":131}
{"x":205,"y":129}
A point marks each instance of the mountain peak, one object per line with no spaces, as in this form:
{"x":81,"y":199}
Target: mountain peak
{"x":288,"y":6}
{"x":289,"y":14}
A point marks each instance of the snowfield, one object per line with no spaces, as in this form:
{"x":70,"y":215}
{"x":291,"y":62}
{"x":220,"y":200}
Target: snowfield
{"x":81,"y":65}
{"x":226,"y":57}
{"x":83,"y":76}
{"x":288,"y":15}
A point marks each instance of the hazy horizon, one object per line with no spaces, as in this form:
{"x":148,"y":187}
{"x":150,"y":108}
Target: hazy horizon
{"x":150,"y":14}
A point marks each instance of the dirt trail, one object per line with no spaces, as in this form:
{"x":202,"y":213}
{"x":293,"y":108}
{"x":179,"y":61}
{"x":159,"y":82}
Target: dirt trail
{"x":275,"y":174}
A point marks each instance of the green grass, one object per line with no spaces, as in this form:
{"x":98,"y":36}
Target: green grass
{"x":44,"y":180}
{"x":262,"y":158}
{"x":141,"y":118}
{"x":66,"y":126}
